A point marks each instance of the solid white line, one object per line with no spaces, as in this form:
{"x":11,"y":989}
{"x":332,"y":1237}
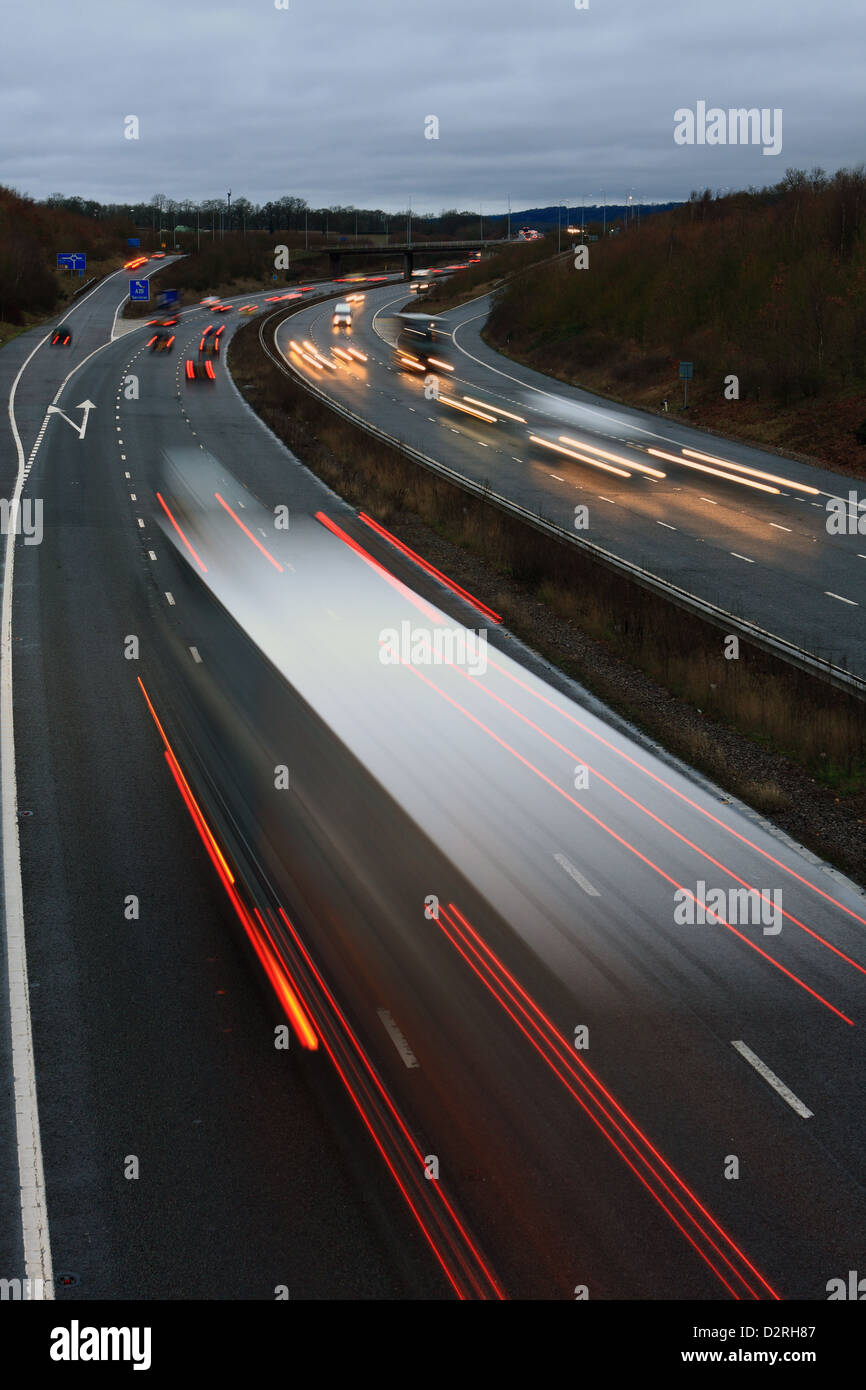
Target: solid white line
{"x":35,"y":1234}
{"x":397,"y":1038}
{"x":578,"y":877}
{"x":772,"y":1079}
{"x":841,"y":599}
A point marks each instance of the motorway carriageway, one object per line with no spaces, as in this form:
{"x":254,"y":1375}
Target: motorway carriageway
{"x":737,"y":527}
{"x":553,"y":843}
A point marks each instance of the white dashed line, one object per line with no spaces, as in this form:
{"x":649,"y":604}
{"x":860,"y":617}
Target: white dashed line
{"x":578,"y":877}
{"x":772,"y":1079}
{"x":778,"y":527}
{"x":152,"y":554}
{"x":170,"y":598}
{"x":606,"y":499}
{"x":140,"y":522}
{"x":556,"y":476}
{"x":841,"y":599}
{"x":742,"y":557}
{"x":666,"y":524}
{"x":397,"y":1038}
{"x":195,"y":655}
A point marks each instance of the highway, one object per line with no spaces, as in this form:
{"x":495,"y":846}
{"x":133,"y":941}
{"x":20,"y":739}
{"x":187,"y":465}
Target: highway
{"x":740,"y":528}
{"x":514,"y":1070}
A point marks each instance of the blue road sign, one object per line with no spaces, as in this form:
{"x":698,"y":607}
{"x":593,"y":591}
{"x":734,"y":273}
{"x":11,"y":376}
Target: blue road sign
{"x":139,"y":290}
{"x":65,"y":258}
{"x":169,"y":296}
{"x":133,"y":240}
{"x":687,"y":370}
{"x":77,"y":260}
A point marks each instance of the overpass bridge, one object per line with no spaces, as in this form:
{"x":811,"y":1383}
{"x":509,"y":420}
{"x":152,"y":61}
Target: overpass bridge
{"x":408,"y":250}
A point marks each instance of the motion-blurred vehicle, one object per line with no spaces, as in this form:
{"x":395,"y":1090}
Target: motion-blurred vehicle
{"x":220,"y":308}
{"x":342,"y":317}
{"x":419,"y":345}
{"x":162,"y":340}
{"x":200,"y":371}
{"x":210,"y":341}
{"x":62,"y":336}
{"x":158,"y":256}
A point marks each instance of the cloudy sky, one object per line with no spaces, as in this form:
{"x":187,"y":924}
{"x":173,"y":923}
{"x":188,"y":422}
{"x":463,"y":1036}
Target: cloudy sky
{"x":329,"y":99}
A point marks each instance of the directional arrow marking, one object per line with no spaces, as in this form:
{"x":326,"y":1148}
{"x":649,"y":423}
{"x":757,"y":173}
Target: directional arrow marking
{"x":86,"y":406}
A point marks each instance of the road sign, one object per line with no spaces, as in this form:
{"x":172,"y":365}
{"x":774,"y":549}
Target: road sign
{"x":73,"y":260}
{"x":687,"y":370}
{"x":139,"y":290}
{"x":133,"y":240}
{"x":169,"y":296}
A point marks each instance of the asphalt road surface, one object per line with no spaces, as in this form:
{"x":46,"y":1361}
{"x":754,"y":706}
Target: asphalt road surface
{"x":517,"y":1069}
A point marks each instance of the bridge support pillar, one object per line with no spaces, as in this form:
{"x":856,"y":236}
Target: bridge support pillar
{"x":408,"y":263}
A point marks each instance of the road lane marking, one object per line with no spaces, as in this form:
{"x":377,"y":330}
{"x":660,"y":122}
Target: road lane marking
{"x":35,"y":1235}
{"x":841,"y":599}
{"x":666,"y":524}
{"x":778,"y":527}
{"x":556,"y":476}
{"x":742,"y":557}
{"x":578,"y":877}
{"x":397,"y":1038}
{"x":170,"y":597}
{"x":195,"y":655}
{"x":772,"y":1079}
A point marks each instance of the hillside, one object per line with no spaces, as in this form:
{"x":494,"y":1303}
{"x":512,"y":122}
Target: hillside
{"x":31,"y":234}
{"x":767,"y":286}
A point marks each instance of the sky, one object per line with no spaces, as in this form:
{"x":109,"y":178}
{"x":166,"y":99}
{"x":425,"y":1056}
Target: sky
{"x":330,"y":100}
